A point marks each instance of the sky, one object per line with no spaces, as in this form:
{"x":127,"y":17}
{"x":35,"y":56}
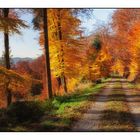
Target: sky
{"x":100,"y":17}
{"x":26,"y":45}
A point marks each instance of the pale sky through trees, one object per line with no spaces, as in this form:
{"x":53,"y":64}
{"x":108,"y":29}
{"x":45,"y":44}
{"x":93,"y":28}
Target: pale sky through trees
{"x":27,"y":45}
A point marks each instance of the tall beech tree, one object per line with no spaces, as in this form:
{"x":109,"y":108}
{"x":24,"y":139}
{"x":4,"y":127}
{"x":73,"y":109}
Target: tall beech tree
{"x":65,"y":46}
{"x":9,"y":23}
{"x":46,"y":47}
{"x":41,"y":17}
{"x":125,"y":24}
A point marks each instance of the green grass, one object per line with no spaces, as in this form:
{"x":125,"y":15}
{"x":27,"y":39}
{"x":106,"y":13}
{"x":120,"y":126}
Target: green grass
{"x":136,"y":86}
{"x":106,"y":79}
{"x":59,"y":113}
{"x":68,"y":109}
{"x":133,"y":88}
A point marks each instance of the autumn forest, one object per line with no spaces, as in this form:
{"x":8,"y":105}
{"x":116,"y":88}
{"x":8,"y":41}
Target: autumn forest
{"x":81,"y":81}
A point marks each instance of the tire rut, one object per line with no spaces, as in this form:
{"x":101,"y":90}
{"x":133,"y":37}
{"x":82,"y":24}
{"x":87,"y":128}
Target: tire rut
{"x":90,"y":120}
{"x":103,"y":115}
{"x":133,"y":101}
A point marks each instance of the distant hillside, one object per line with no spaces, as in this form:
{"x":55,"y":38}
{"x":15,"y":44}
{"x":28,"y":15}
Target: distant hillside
{"x":17,"y":59}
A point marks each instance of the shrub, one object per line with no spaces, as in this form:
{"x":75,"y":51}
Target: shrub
{"x":36,"y":87}
{"x":98,"y":81}
{"x":56,"y":103}
{"x":26,"y":111}
{"x":48,"y":105}
{"x":4,"y":120}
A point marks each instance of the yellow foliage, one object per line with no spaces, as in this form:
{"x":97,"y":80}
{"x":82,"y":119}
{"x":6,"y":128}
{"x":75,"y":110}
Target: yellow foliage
{"x":64,"y":45}
{"x":72,"y":84}
{"x":118,"y":67}
{"x":133,"y":70}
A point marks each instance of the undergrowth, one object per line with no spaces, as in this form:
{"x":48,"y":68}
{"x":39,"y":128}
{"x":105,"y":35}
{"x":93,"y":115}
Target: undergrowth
{"x":57,"y":114}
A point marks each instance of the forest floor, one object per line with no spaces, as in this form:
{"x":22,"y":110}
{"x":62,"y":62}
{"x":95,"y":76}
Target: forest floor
{"x":113,"y":105}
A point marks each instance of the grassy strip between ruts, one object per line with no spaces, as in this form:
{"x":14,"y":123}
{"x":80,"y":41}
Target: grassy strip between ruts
{"x":117,"y":116}
{"x":62,"y":111}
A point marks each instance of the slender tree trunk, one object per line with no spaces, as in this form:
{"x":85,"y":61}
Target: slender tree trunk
{"x":46,"y":47}
{"x":7,"y":56}
{"x":6,"y":44}
{"x":59,"y":83}
{"x":63,"y":78}
{"x":65,"y":85}
{"x":89,"y":72}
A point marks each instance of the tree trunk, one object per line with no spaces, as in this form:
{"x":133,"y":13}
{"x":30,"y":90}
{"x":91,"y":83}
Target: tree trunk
{"x":65,"y":85}
{"x":6,"y":44}
{"x":47,"y":58}
{"x":63,"y":78}
{"x":7,"y":56}
{"x":59,"y":83}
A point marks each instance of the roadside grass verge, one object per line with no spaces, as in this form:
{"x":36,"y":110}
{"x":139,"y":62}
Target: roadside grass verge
{"x":133,"y":88}
{"x":136,"y":86}
{"x":106,"y":79}
{"x":68,"y":109}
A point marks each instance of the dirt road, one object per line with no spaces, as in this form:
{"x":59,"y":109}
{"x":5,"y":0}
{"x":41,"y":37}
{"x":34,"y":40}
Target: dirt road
{"x":117,"y":108}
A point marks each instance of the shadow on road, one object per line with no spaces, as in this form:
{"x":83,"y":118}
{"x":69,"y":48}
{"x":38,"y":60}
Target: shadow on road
{"x":116,"y":117}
